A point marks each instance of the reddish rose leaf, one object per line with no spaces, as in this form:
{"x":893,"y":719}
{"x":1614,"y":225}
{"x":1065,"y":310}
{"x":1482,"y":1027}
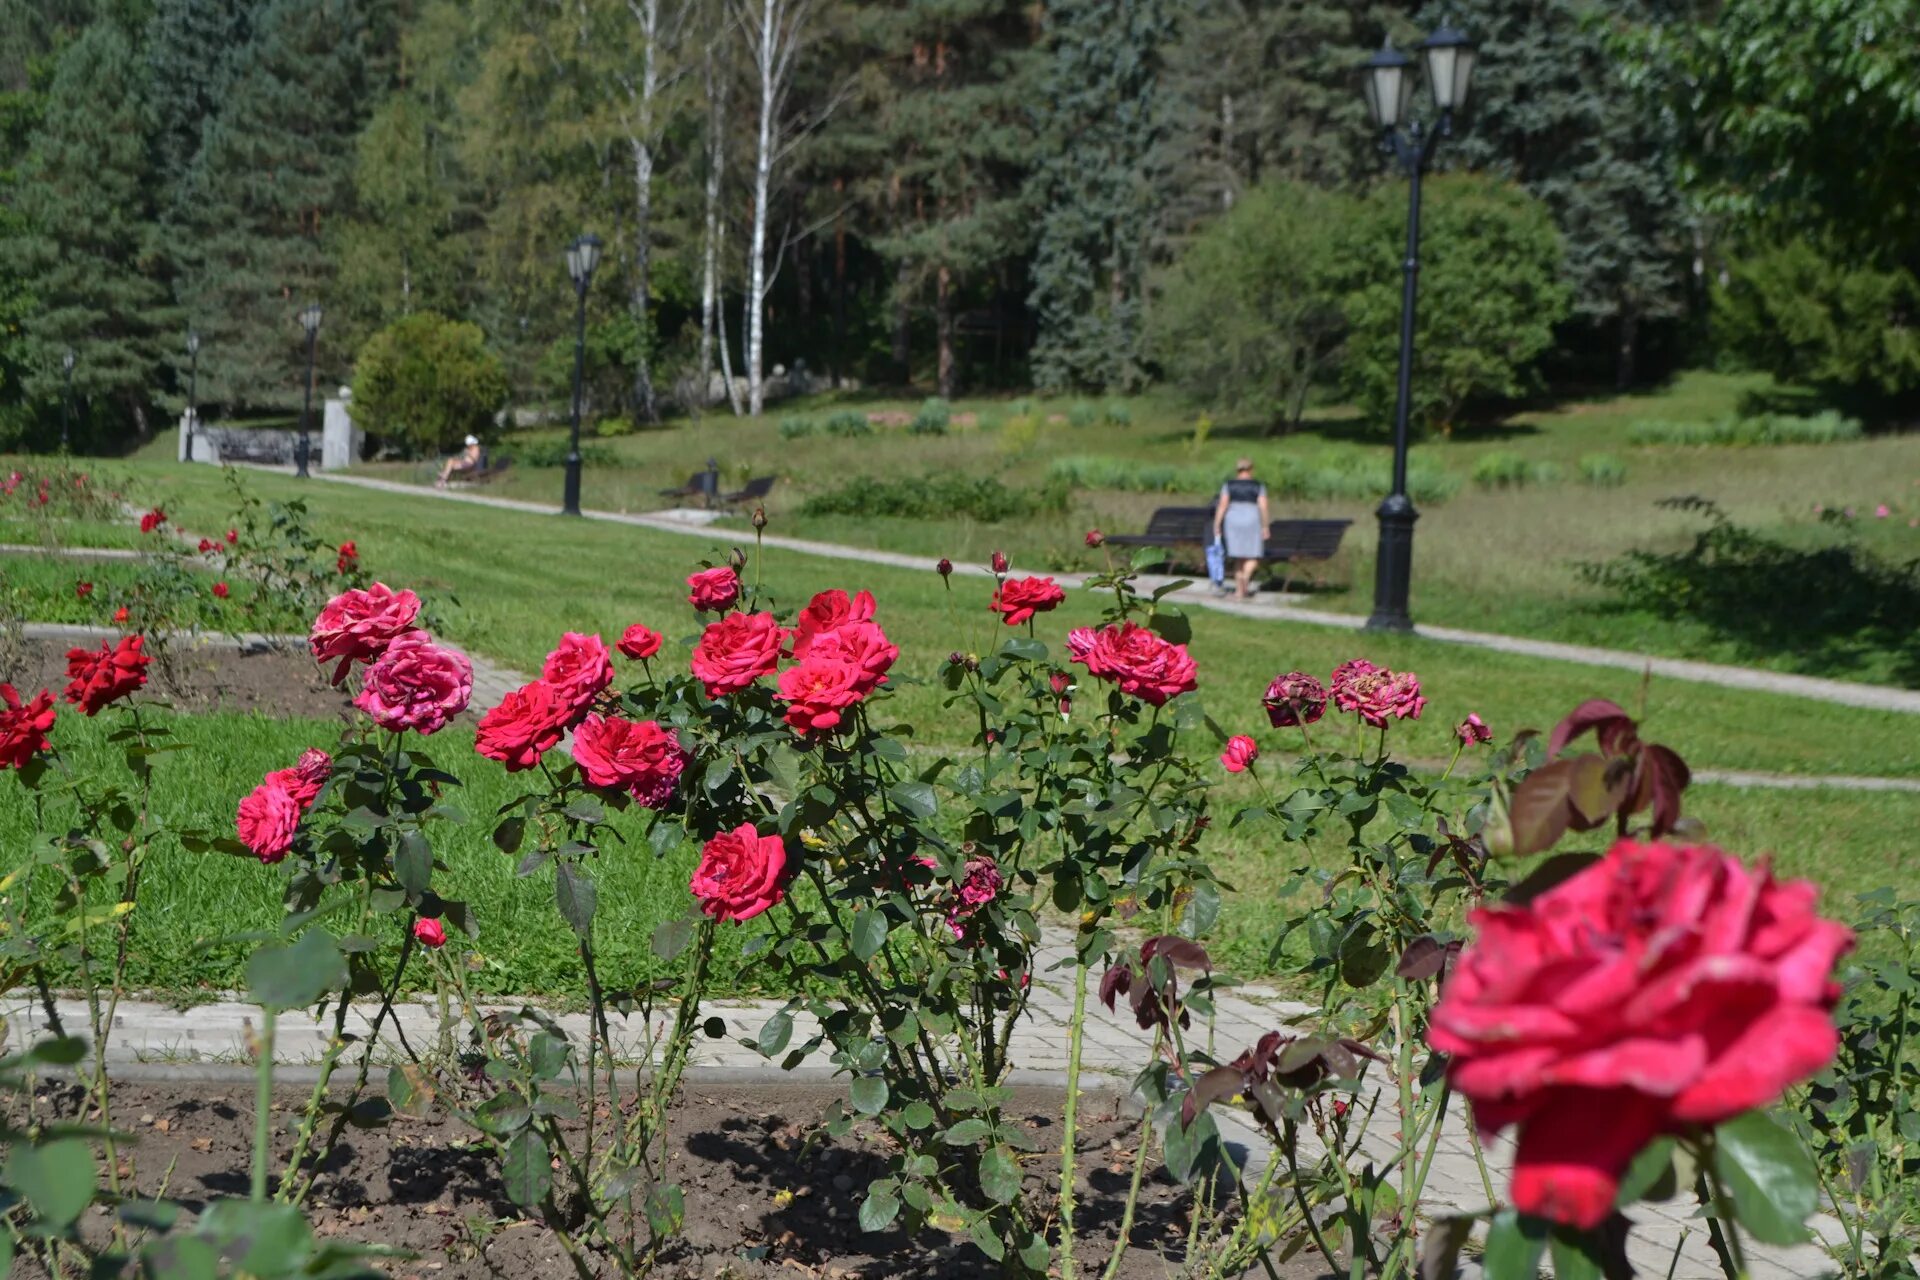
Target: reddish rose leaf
{"x":1595,"y":789}
{"x":1590,"y":714}
{"x":1539,"y":813}
{"x":1217,"y":1085}
{"x":1668,"y":775}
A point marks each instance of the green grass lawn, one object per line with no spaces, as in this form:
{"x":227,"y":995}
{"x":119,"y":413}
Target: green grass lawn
{"x":1493,"y":559}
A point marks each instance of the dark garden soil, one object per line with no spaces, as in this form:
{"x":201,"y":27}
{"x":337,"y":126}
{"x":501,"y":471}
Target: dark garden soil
{"x":765,"y":1195}
{"x":210,"y":677}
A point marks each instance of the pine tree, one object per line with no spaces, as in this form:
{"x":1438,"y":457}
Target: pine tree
{"x":1096,"y":202}
{"x":190,"y":48}
{"x":1550,"y":108}
{"x":274,"y":169}
{"x":85,"y":199}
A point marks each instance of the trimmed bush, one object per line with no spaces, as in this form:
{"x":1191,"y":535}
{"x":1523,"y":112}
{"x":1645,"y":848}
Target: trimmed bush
{"x":1327,"y":477}
{"x":981,"y":498}
{"x":797,"y":428}
{"x":1081,"y":414}
{"x":1602,"y":470}
{"x":848,"y":423}
{"x":1755,"y":429}
{"x":932,"y":419}
{"x":425,"y":381}
{"x":1501,"y":469}
{"x":552,"y":452}
{"x":1117,"y":413}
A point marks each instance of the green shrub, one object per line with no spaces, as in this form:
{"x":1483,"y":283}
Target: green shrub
{"x":1501,"y":469}
{"x":1116,"y":413}
{"x":980,"y":498}
{"x":1020,"y":435}
{"x":932,"y":419}
{"x":797,"y":428}
{"x":425,"y":381}
{"x":609,"y":428}
{"x":1328,"y":477}
{"x":990,"y":420}
{"x":1082,"y":414}
{"x":1754,"y":429}
{"x":1020,"y":408}
{"x":552,"y":452}
{"x":848,"y":423}
{"x":1602,"y":470}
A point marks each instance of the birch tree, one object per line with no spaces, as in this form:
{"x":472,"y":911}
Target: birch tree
{"x":640,"y":90}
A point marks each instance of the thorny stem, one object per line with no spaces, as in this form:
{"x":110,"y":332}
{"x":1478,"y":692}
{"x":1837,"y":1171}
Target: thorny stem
{"x":263,"y":1103}
{"x":1070,"y":1119}
{"x":1133,"y":1200}
{"x":1721,"y":1233}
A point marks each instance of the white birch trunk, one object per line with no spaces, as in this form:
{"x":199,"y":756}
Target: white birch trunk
{"x":716,"y":87}
{"x":766,"y":64}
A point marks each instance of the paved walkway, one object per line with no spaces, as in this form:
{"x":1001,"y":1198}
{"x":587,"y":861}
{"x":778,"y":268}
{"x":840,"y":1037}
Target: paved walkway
{"x":210,"y":1040}
{"x":1842,"y":692}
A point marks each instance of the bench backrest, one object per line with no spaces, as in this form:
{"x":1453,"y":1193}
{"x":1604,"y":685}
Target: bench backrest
{"x":1306,"y":539}
{"x":758,"y":487}
{"x":1186,"y":524}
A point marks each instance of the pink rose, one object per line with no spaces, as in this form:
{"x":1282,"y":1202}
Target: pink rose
{"x":1376,"y":694}
{"x":858,"y":644}
{"x":1018,"y":599}
{"x":829,"y":611}
{"x":1659,"y":989}
{"x":304,"y":781}
{"x":430,"y":933}
{"x":267,"y":820}
{"x":579,"y":671}
{"x":416,"y":685}
{"x":1241,"y":752}
{"x":639,"y":642}
{"x":357,"y":625}
{"x":1295,"y":699}
{"x":712,"y":590}
{"x":741,"y":874}
{"x":639,"y":757}
{"x":820,"y":691}
{"x":529,"y":722}
{"x":980,"y":885}
{"x":1138,"y":660}
{"x":1471,"y":730}
{"x":736,"y":651}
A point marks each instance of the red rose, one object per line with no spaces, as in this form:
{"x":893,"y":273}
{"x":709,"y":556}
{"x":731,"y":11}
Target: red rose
{"x":82,"y":589}
{"x":220,"y":590}
{"x":98,"y":677}
{"x":205,"y":546}
{"x":1375,"y":693}
{"x":1020,"y":598}
{"x":858,"y":644}
{"x":1136,"y":659}
{"x":527,"y":724}
{"x":826,"y":612}
{"x":1295,"y":699}
{"x":152,"y":520}
{"x":347,"y":558}
{"x":642,"y":757}
{"x":1241,"y":752}
{"x":416,"y":685}
{"x":741,"y":874}
{"x":23,"y":726}
{"x":355,"y":626}
{"x":579,"y":670}
{"x":429,"y":933}
{"x":120,"y":614}
{"x":819,"y":691}
{"x":639,"y":642}
{"x":233,"y":537}
{"x":1472,"y":730}
{"x":736,"y":651}
{"x":304,"y":780}
{"x":267,"y":820}
{"x":712,"y":590}
{"x":1659,"y":989}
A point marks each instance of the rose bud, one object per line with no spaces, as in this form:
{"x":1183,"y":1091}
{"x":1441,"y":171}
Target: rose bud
{"x":1095,"y":537}
{"x":738,"y":559}
{"x":945,"y":567}
{"x":957,"y":658}
{"x":1060,"y":681}
{"x":430,"y":933}
{"x":759,"y":517}
{"x":999,"y":562}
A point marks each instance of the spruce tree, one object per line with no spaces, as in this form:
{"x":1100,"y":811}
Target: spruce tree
{"x":273,"y":171}
{"x":85,"y":198}
{"x":1095,"y":200}
{"x":190,"y":48}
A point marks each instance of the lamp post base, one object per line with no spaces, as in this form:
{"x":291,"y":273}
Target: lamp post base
{"x":1393,"y":569}
{"x":570,"y":502}
{"x":300,"y":459}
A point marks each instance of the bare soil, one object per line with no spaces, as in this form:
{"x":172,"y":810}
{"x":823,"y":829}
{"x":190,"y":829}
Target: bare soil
{"x":209,"y":677}
{"x":766,"y":1195}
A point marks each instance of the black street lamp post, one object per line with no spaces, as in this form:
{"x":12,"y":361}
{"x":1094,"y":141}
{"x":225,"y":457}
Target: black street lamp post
{"x":193,"y":388}
{"x":310,"y":321}
{"x":1388,"y":83}
{"x":66,"y":400}
{"x":583,"y":255}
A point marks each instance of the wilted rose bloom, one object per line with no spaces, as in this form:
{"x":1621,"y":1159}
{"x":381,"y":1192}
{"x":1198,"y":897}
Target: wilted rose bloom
{"x":527,"y":724}
{"x":1241,"y":751}
{"x":712,"y":590}
{"x":430,"y":933}
{"x":1095,"y":538}
{"x":579,"y":669}
{"x":1295,"y":698}
{"x":638,"y":642}
{"x":741,"y":874}
{"x":416,"y":685}
{"x":1659,"y":990}
{"x":1018,"y":599}
{"x":736,"y":651}
{"x":640,"y":757}
{"x":1138,"y":660}
{"x":100,"y":676}
{"x":1376,"y":694}
{"x":23,"y":726}
{"x":1473,"y":729}
{"x":357,"y":625}
{"x":826,"y":612}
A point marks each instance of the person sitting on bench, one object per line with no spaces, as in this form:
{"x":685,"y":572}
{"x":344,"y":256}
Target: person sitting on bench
{"x":464,"y":463}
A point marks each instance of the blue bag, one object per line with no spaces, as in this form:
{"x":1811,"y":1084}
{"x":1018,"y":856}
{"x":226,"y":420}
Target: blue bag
{"x":1217,"y":563}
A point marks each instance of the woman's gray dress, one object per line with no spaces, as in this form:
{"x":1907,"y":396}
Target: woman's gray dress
{"x":1241,"y":529}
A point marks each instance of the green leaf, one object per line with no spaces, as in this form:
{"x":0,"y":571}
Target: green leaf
{"x":1770,"y":1175}
{"x":1035,"y":1254}
{"x":525,"y":1169}
{"x":504,"y":1113}
{"x":869,"y":934}
{"x":1515,"y":1245}
{"x":263,"y":1238}
{"x":967,"y":1132}
{"x":869,"y":1095}
{"x":1363,"y":957}
{"x":576,"y":895}
{"x":917,"y":1115}
{"x":775,"y":1033}
{"x":1649,"y":1169}
{"x":547,"y":1055}
{"x":293,"y":977}
{"x":671,"y":938}
{"x":413,"y":864}
{"x":1188,"y":1148}
{"x":666,"y":1210}
{"x":880,"y":1208}
{"x":57,"y":1178}
{"x":1573,"y":1257}
{"x":1000,"y":1174}
{"x":1171,"y":625}
{"x":981,"y":1232}
{"x":914,"y":797}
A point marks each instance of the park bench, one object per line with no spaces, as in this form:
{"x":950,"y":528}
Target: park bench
{"x":243,"y":447}
{"x":757,"y":488}
{"x":695,"y":486}
{"x":488,"y":471}
{"x":1185,"y":531}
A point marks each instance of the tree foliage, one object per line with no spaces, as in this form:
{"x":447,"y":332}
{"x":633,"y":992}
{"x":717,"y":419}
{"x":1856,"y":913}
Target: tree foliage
{"x":426,"y":381}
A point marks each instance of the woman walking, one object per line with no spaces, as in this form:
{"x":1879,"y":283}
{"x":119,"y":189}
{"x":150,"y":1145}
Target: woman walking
{"x":1240,"y":521}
